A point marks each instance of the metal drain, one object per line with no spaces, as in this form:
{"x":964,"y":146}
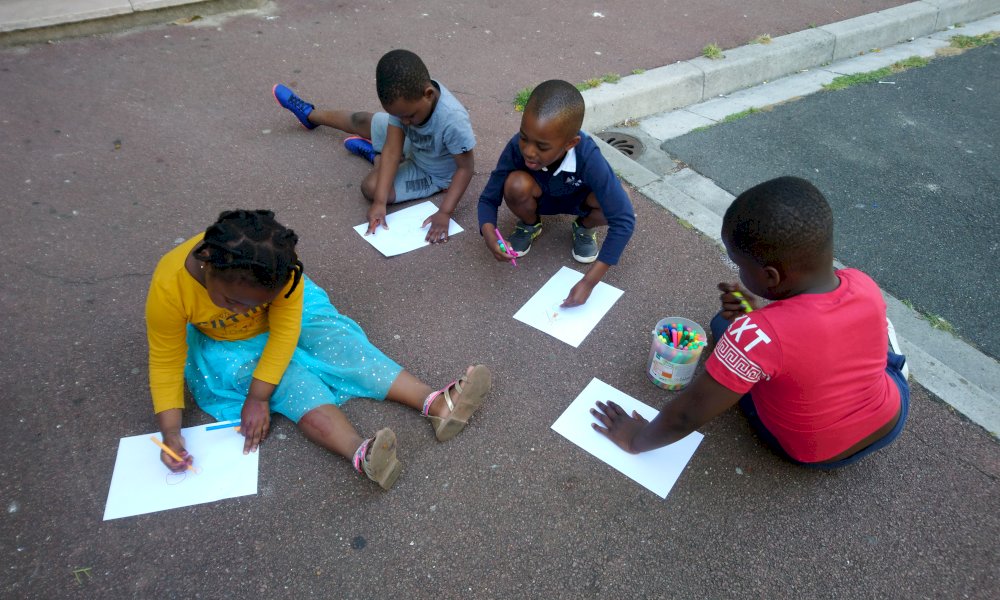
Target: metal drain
{"x":626,"y":144}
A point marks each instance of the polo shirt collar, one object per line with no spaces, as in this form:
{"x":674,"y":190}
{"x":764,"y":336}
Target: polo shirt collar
{"x":568,"y":162}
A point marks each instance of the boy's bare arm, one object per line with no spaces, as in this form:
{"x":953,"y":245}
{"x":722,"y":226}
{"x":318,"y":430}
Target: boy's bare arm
{"x":698,"y":404}
{"x":581,"y":291}
{"x":465,"y":163}
{"x":392,"y":153}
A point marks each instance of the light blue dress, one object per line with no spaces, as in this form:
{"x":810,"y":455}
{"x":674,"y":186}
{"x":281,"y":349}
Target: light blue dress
{"x":334,"y":362}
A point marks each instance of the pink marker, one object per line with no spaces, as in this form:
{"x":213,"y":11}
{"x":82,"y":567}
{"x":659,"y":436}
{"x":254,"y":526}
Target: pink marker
{"x":507,"y":249}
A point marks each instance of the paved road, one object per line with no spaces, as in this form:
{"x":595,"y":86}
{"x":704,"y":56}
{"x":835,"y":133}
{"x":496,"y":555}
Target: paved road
{"x":114,"y":147}
{"x":910,"y":166}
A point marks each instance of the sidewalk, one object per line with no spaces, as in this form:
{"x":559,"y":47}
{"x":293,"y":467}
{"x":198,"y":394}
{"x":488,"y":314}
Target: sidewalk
{"x":32,"y":21}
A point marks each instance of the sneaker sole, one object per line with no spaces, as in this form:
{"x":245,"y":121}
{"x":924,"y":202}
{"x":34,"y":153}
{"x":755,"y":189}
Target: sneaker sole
{"x":275,"y":94}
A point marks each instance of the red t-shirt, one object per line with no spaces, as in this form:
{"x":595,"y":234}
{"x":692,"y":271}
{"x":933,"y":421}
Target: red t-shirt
{"x":816,"y":366}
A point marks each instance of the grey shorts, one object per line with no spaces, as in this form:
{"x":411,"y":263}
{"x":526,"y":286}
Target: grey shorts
{"x":412,"y":182}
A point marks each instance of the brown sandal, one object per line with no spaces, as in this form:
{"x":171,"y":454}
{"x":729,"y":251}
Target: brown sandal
{"x":472,"y":389}
{"x":376,"y":458}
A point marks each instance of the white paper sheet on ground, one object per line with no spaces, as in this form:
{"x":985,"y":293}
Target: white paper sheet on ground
{"x":405,"y":232}
{"x":571,"y":325}
{"x":656,"y":470}
{"x":141,"y":483}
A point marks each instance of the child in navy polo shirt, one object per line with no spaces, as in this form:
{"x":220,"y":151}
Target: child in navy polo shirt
{"x":551,"y":167}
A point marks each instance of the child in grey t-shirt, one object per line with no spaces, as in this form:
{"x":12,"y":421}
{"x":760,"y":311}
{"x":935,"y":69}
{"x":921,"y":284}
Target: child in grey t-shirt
{"x":422,"y":143}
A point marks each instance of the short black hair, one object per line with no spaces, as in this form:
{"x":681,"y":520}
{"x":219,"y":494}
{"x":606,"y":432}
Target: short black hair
{"x":250,"y":245}
{"x":557,"y":100}
{"x":400,"y":74}
{"x":782,"y":222}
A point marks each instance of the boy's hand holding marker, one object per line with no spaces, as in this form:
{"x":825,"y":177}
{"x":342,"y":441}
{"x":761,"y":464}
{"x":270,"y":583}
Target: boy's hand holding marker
{"x":376,"y":217}
{"x":491,"y":236}
{"x":735,"y":301}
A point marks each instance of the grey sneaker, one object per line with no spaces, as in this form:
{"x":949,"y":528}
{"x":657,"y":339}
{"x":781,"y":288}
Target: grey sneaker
{"x":520,"y":240}
{"x":584,"y":243}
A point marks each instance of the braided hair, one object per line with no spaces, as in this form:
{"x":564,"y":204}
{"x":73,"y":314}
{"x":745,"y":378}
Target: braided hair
{"x":250,"y":245}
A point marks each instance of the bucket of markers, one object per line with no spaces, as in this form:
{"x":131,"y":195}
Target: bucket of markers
{"x":676,"y":349}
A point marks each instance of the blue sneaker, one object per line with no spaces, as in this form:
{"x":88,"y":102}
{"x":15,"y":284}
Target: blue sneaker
{"x":299,"y":107}
{"x":361,"y":146}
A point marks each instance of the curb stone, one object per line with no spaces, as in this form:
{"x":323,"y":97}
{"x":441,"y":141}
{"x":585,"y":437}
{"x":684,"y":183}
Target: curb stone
{"x":689,"y":82}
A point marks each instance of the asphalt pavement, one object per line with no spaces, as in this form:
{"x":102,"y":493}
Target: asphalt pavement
{"x":909,"y":165}
{"x":116,"y":146}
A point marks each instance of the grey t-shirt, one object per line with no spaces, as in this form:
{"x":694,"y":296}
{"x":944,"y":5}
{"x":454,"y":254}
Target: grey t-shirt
{"x":433,"y":145}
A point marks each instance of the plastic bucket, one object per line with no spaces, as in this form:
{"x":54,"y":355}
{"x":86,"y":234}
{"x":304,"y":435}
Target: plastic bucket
{"x":672,"y":364}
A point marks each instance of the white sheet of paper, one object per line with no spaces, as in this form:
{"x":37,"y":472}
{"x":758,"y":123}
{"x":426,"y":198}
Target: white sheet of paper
{"x":405,"y":232}
{"x":142,"y":484}
{"x":656,"y":470}
{"x":570,"y":325}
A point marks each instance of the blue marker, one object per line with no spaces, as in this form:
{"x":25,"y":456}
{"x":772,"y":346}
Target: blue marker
{"x":228,"y":425}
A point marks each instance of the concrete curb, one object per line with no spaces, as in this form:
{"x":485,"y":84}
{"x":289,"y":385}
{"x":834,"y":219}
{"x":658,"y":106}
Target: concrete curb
{"x":27,"y":23}
{"x":955,"y":372}
{"x":689,"y":82}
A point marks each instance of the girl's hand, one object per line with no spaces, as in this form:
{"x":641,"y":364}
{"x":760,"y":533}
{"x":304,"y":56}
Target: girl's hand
{"x":176,"y":443}
{"x":255,"y":422}
{"x":732,"y":305}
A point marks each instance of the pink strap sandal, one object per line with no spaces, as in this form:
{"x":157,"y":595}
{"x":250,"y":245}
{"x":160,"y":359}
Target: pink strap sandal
{"x":472,"y":389}
{"x":376,"y":458}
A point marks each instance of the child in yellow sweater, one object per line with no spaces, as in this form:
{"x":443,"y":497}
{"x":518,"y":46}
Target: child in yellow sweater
{"x":231,"y":312}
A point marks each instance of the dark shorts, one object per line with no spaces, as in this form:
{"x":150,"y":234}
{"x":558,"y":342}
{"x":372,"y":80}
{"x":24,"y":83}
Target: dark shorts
{"x":894,"y":366}
{"x":563,"y":205}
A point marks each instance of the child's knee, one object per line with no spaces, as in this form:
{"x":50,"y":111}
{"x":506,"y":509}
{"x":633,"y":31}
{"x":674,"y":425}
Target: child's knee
{"x":368,"y":185}
{"x":362,"y":122}
{"x":520,"y":187}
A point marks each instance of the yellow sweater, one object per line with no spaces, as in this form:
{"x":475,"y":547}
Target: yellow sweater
{"x":176,"y":298}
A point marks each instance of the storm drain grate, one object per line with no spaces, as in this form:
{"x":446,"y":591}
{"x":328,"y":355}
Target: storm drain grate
{"x":623,"y":142}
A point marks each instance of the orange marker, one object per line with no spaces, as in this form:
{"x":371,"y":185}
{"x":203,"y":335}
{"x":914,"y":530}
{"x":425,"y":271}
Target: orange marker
{"x":172,"y":454}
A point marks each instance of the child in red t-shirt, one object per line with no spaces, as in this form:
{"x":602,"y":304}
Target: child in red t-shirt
{"x":827,"y":388}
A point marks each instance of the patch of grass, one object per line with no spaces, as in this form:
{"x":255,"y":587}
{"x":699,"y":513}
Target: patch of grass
{"x":909,"y":305}
{"x":712,"y":51}
{"x":596,"y":81}
{"x":762,"y":39}
{"x":846,"y":81}
{"x":974,"y":41}
{"x":638,"y":71}
{"x":939,"y":323}
{"x":702,"y":128}
{"x":522,"y":98}
{"x":740,"y":115}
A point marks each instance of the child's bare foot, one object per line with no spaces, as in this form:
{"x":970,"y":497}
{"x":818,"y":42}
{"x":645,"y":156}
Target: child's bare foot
{"x":449,"y":414}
